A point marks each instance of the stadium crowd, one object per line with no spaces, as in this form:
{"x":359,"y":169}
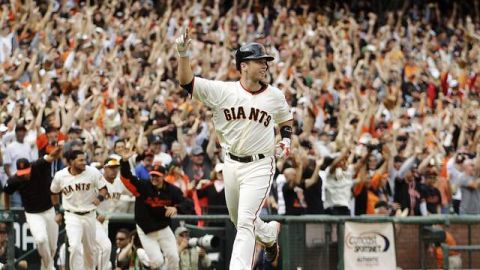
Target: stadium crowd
{"x":385,"y":105}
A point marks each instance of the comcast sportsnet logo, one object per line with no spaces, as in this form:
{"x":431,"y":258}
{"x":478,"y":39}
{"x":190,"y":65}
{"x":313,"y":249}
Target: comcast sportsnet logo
{"x":369,"y":242}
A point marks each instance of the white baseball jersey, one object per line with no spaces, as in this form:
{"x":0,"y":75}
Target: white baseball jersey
{"x":112,"y":204}
{"x":78,"y":191}
{"x":244,"y":121}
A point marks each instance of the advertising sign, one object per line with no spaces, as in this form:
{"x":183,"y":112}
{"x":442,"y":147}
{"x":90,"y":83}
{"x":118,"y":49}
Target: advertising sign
{"x":369,"y":246}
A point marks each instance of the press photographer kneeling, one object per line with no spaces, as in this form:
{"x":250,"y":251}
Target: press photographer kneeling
{"x":192,"y":252}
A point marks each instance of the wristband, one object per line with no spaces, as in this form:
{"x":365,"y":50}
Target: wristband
{"x":100,"y":197}
{"x":286,"y":132}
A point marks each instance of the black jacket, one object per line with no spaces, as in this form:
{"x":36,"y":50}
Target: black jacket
{"x":150,"y":202}
{"x":35,"y":192}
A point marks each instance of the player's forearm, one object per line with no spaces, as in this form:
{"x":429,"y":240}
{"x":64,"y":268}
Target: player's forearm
{"x":55,"y":199}
{"x":185,"y":74}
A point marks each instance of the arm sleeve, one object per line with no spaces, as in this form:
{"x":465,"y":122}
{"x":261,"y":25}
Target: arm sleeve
{"x":56,"y":187}
{"x":129,"y":181}
{"x":101,"y":182}
{"x":42,"y":164}
{"x":283,"y":112}
{"x":177,"y":196}
{"x":211,"y":93}
{"x":11,"y":186}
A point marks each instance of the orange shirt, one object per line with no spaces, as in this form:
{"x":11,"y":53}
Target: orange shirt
{"x":449,"y":240}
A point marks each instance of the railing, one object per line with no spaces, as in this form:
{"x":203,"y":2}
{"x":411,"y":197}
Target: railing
{"x":446,"y":248}
{"x":293,"y":226}
{"x":290,"y":228}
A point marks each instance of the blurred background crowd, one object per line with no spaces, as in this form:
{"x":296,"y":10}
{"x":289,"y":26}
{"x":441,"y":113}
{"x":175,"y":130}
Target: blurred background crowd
{"x":385,"y":96}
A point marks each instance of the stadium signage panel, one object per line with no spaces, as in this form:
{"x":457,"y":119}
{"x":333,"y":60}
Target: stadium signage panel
{"x":369,"y":246}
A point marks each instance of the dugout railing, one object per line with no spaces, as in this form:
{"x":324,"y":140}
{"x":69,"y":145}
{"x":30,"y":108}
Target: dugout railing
{"x":312,"y":240}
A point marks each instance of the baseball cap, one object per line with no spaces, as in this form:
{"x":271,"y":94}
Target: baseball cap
{"x":197,"y":150}
{"x":158,"y":170}
{"x":23,"y":167}
{"x":180,"y":230}
{"x":111,"y":162}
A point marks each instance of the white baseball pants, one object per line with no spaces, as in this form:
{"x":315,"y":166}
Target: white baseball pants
{"x":104,"y":246}
{"x":81,"y":235}
{"x":159,"y":243}
{"x":44,"y":230}
{"x":247,"y":185}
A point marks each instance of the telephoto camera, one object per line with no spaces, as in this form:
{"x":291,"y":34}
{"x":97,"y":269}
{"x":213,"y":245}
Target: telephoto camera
{"x":207,"y":242}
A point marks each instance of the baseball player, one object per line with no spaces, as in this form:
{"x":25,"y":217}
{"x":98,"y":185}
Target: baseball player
{"x":110,"y":205}
{"x":82,"y":188}
{"x":33,"y":183}
{"x":155,"y":204}
{"x":244,"y":115}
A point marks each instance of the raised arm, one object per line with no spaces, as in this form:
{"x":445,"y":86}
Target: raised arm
{"x":185,"y":74}
{"x":315,"y":177}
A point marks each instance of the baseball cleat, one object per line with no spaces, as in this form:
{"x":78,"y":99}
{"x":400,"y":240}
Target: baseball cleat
{"x":271,"y":253}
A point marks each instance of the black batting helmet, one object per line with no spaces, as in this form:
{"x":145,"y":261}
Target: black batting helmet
{"x":251,"y":51}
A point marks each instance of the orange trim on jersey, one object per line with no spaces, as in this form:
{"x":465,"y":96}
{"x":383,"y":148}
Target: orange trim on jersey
{"x":264,"y":87}
{"x":128,"y":184}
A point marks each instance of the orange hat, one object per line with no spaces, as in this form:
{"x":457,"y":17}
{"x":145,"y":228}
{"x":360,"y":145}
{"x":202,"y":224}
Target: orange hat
{"x":23,"y":167}
{"x":158,"y":170}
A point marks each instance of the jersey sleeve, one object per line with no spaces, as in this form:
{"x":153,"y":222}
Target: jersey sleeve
{"x":56,"y":186}
{"x":101,"y":182}
{"x":129,"y":181}
{"x":283,"y":112}
{"x":211,"y":93}
{"x":177,"y":195}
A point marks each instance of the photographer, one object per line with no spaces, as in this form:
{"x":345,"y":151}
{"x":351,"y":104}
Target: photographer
{"x":191,"y":257}
{"x":130,"y":252}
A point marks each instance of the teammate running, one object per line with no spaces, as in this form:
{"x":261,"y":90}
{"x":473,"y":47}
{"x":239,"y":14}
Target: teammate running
{"x":82,"y":188}
{"x":110,"y":205}
{"x":155,"y":203}
{"x":33,"y":182}
{"x":244,"y":114}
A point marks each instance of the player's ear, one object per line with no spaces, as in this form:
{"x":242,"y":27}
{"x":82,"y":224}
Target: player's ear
{"x":243,"y":66}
